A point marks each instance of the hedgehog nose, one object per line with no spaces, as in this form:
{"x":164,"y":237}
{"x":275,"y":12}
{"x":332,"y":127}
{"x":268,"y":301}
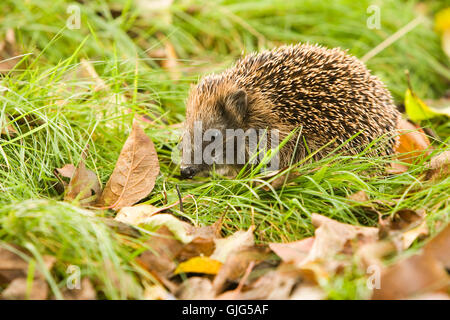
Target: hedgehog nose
{"x":187,"y":172}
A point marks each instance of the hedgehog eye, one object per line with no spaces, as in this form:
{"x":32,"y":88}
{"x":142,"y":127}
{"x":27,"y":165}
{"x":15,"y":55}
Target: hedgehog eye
{"x":214,"y":135}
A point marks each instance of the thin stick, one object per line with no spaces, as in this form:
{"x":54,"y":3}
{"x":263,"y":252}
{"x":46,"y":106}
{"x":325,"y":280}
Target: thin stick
{"x":390,"y":40}
{"x":179,"y":197}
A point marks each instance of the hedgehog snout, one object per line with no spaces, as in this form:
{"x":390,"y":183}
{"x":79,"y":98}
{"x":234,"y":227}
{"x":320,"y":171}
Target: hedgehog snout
{"x":188,"y":172}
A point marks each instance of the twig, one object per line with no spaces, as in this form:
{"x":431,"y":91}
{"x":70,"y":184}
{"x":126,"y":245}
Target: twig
{"x":390,"y":40}
{"x":179,"y":197}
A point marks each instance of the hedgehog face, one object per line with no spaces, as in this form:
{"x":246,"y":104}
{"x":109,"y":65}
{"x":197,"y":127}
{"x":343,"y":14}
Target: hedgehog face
{"x":211,"y":110}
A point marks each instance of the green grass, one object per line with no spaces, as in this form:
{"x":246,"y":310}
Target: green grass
{"x":57,"y":113}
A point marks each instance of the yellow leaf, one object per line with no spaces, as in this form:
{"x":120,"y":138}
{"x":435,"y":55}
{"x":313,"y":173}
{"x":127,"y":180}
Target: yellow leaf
{"x":417,"y":109}
{"x":442,"y":20}
{"x":199,"y":265}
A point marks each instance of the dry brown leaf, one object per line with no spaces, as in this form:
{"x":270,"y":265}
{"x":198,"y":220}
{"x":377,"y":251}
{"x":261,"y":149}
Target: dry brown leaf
{"x":14,"y":270}
{"x":8,"y":130}
{"x":419,"y":274}
{"x":439,"y":166}
{"x":404,"y":227}
{"x":396,"y":168}
{"x":412,"y":140}
{"x":86,"y":291}
{"x":439,"y":247}
{"x":359,"y":196}
{"x":157,"y":292}
{"x":203,"y":240}
{"x":196,"y":288}
{"x":236,"y":242}
{"x":67,"y":170}
{"x":237,"y":263}
{"x":84,"y":185}
{"x":402,"y":220}
{"x":332,"y":236}
{"x":163,"y":249}
{"x":17,"y":290}
{"x":412,"y":276}
{"x":135,"y":173}
{"x":293,"y":252}
{"x":371,"y":254}
{"x":233,"y":294}
{"x":135,"y":215}
{"x":197,"y":247}
{"x":122,"y":228}
{"x":274,"y":285}
{"x":415,"y":233}
{"x":140,"y":213}
{"x":13,"y":266}
{"x":8,"y":52}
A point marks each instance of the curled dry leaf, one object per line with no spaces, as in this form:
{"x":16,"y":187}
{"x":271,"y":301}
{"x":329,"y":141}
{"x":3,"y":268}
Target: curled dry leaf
{"x":197,"y":247}
{"x":404,"y":227}
{"x":238,"y":241}
{"x":67,"y":170}
{"x":203,"y":242}
{"x":178,"y":228}
{"x":413,"y":142}
{"x":315,"y":256}
{"x":135,"y":173}
{"x":274,"y":285}
{"x":237,"y":263}
{"x":135,"y":215}
{"x":415,"y":275}
{"x":83,"y":186}
{"x":359,"y":196}
{"x":331,"y":237}
{"x":163,"y":248}
{"x":427,"y":269}
{"x":439,"y":247}
{"x":140,"y":213}
{"x":293,"y":252}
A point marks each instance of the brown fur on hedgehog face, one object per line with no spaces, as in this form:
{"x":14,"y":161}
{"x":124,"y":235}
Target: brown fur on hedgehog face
{"x":213,"y":106}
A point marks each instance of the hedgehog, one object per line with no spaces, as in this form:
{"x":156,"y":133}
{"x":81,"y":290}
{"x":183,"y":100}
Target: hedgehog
{"x":318,"y":98}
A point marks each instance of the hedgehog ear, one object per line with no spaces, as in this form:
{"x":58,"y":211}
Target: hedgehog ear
{"x":236,"y":105}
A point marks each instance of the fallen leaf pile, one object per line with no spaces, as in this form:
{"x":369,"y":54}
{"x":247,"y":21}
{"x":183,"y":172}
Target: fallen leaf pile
{"x":235,"y":267}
